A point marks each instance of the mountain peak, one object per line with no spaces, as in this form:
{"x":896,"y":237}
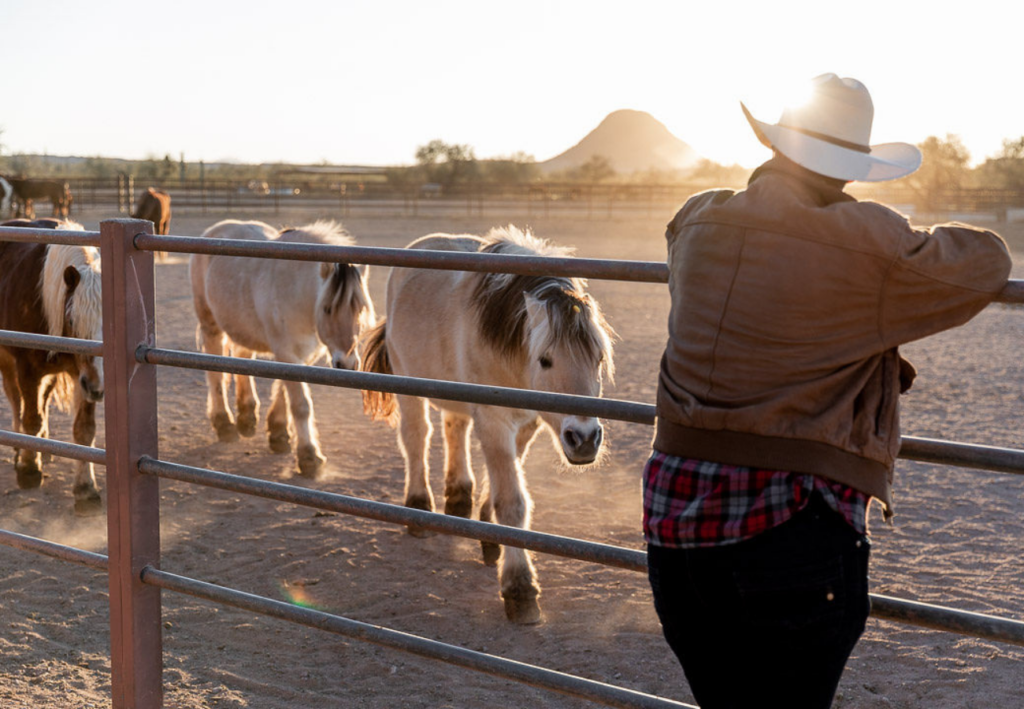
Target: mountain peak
{"x":631,"y":141}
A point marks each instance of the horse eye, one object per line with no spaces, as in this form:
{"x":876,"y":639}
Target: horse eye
{"x":545,"y":362}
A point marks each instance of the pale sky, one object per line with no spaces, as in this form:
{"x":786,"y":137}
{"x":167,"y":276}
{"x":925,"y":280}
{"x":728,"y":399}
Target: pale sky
{"x":366,"y":82}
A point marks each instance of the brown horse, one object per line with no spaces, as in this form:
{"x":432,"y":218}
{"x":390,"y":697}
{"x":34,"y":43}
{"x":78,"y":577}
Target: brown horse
{"x":155,"y":205}
{"x":51,"y":289}
{"x":26,"y":191}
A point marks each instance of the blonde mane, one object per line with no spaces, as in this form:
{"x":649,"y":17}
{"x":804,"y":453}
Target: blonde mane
{"x":574,"y":318}
{"x":86,"y":307}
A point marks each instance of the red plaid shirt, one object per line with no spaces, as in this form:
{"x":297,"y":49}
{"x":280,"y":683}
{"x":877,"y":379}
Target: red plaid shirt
{"x":696,"y":503}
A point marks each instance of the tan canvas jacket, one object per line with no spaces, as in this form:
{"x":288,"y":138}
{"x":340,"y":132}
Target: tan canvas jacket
{"x":789,"y":300}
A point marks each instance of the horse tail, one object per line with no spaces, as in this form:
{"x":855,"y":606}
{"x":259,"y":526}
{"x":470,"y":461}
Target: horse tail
{"x":378,"y":405}
{"x":62,"y":391}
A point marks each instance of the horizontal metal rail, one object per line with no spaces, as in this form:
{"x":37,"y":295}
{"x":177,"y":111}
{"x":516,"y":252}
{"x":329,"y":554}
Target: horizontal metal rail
{"x":33,"y":341}
{"x":397,"y":514}
{"x":61,"y":449}
{"x":414,"y":644}
{"x":950,"y":620}
{"x":53,"y":550}
{"x":1004,"y":460}
{"x":428,"y":388}
{"x":601,"y":269}
{"x":884,"y":607}
{"x":49,"y":236}
{"x":618,"y":270}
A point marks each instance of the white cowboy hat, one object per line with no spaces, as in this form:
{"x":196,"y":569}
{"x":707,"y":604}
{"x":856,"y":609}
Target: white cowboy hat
{"x":830,"y":134}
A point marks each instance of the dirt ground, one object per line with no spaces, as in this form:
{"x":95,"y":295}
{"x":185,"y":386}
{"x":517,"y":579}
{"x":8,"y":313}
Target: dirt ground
{"x":956,"y":539}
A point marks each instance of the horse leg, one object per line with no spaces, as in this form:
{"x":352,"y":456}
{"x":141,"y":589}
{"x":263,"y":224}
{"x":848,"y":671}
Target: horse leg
{"x":44,"y":432}
{"x":458,"y":471}
{"x":247,"y":402}
{"x":307,"y":447}
{"x":512,"y":507}
{"x":10,"y":378}
{"x":524,"y":438}
{"x":87,"y":494}
{"x":27,"y":465}
{"x":214,"y":341}
{"x":277,"y":419}
{"x":414,"y":431}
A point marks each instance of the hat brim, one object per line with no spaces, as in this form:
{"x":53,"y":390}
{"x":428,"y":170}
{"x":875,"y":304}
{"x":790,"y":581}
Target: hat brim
{"x":887,"y":161}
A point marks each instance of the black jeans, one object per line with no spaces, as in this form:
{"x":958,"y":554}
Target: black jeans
{"x":769,"y":621}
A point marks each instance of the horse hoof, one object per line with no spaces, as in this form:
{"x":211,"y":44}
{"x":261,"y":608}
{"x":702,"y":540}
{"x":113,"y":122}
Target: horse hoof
{"x":279,"y":442}
{"x":491,"y":552}
{"x":29,"y":476}
{"x":420,"y":502}
{"x":459,"y":503}
{"x":310,"y":463}
{"x":89,"y":507}
{"x":246,"y":424}
{"x":227,"y":432}
{"x":522,"y":611}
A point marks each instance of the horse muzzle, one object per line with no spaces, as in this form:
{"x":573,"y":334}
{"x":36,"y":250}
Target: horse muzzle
{"x":582,"y":446}
{"x":346,"y":361}
{"x":92,"y":392}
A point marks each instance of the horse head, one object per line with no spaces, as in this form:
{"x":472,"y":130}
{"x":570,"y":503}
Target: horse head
{"x":568,"y":349}
{"x":343,"y":311}
{"x":72,"y":298}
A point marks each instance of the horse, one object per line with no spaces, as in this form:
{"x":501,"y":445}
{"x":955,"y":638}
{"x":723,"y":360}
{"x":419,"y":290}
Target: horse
{"x":155,"y":205}
{"x":293,"y":310}
{"x":26,"y":191}
{"x":52,"y":289}
{"x":528,"y":332}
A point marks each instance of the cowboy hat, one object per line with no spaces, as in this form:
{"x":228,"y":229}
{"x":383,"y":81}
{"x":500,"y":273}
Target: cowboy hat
{"x":830,"y":133}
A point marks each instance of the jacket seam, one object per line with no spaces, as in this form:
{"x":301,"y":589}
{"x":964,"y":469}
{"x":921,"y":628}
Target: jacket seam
{"x":721,"y":318}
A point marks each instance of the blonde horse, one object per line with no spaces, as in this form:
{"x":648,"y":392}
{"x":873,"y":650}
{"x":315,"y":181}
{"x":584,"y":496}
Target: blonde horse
{"x":294,"y":310}
{"x":52,"y":289}
{"x":527,"y":332}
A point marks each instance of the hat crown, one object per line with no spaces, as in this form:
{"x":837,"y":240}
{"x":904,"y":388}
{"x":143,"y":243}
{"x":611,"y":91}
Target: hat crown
{"x":838,"y":108}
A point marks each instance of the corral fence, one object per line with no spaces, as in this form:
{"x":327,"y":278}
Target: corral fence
{"x":134,"y":467}
{"x":370,"y":194}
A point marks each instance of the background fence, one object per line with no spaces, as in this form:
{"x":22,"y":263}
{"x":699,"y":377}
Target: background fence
{"x":133,"y":468}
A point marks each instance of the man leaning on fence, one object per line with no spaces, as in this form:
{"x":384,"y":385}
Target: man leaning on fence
{"x":778,"y":411}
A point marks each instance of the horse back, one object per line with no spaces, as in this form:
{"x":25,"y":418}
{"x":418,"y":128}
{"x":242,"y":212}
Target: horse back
{"x":21,"y":267}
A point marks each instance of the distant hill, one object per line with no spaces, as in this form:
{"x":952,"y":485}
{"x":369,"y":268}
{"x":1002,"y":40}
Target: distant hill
{"x":631,"y":141}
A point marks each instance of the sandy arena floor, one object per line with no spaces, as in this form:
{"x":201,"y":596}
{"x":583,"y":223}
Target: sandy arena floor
{"x":956,"y":541}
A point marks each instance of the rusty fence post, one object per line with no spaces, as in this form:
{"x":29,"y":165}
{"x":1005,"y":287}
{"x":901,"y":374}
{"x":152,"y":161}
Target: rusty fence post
{"x":133,"y":525}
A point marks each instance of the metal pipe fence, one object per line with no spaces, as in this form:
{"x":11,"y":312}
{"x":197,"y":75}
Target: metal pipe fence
{"x":130,"y":358}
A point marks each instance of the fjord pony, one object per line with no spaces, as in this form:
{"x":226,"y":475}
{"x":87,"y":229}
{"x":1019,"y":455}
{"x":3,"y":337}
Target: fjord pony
{"x":51,"y":289}
{"x":526,"y":332}
{"x":293,"y":310}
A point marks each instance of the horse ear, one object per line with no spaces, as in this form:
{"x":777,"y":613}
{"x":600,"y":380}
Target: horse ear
{"x":71,"y":278}
{"x":325,"y":270}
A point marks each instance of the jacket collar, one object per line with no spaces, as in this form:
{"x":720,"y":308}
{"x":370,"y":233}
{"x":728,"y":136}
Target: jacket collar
{"x":823,"y":190}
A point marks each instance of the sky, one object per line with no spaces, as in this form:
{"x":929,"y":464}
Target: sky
{"x":356,"y":82}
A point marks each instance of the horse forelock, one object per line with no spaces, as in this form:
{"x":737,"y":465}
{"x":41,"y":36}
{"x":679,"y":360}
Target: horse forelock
{"x":347,"y":284}
{"x":85,"y":308}
{"x":574,"y":318}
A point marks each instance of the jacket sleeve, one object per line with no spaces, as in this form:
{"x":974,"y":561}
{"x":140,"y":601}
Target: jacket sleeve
{"x":940,"y":278}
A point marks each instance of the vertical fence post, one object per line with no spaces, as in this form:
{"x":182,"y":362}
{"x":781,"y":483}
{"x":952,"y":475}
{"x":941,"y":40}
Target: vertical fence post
{"x":133,"y":525}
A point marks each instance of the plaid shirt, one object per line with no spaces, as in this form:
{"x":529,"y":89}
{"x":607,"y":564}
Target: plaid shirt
{"x":695,"y":503}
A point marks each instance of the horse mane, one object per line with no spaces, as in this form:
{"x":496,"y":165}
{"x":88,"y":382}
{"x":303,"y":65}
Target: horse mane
{"x":346,"y":281}
{"x":86,"y":306}
{"x":574,"y":318}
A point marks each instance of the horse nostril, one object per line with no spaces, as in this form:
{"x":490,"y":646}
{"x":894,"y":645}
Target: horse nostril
{"x":571,"y":438}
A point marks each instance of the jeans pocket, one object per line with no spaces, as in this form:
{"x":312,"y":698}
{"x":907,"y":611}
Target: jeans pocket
{"x":805,"y":599}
